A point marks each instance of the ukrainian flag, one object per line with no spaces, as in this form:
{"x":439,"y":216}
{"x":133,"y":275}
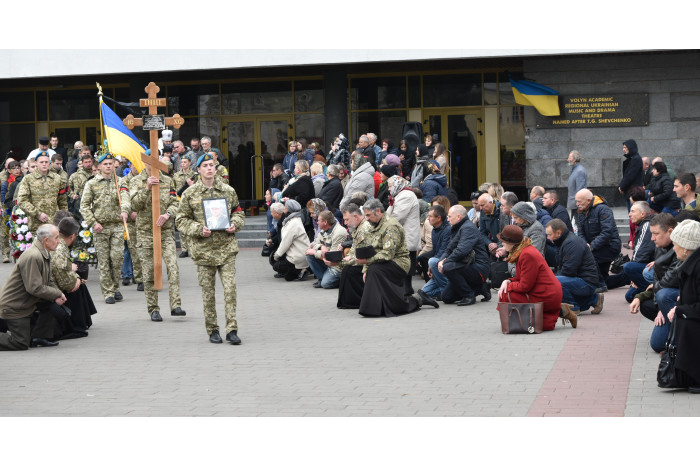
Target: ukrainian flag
{"x":120,"y":140}
{"x":544,"y":99}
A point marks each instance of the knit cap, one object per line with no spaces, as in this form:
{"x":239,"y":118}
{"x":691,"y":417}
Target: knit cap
{"x":687,"y":234}
{"x":525,"y":210}
{"x":292,"y":205}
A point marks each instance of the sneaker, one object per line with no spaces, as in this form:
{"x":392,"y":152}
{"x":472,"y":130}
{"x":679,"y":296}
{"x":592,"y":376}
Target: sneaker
{"x":568,"y":314}
{"x":599,"y":305}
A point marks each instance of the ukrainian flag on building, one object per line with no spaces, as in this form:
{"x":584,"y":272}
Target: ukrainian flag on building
{"x":120,"y":140}
{"x":542,"y":98}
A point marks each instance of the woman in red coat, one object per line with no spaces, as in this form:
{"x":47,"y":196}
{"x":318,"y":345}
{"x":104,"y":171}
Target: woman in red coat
{"x":534,"y":281}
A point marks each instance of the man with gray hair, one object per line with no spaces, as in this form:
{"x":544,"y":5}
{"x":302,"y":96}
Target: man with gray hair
{"x":643,"y":253}
{"x":385,"y":263}
{"x":332,"y":191}
{"x":578,"y":180}
{"x":377,"y":150}
{"x":536,"y":195}
{"x":29,"y":289}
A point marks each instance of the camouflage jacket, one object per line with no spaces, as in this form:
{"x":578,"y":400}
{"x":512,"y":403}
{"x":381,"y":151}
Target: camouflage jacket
{"x":331,"y":239}
{"x":99,"y":203}
{"x":359,"y":239}
{"x":221,"y":247}
{"x":39,"y":193}
{"x":62,"y":268}
{"x":142,"y":201}
{"x":222,"y":172}
{"x":77,"y":181}
{"x":389,"y":240}
{"x":180,"y":178}
{"x":63,"y":174}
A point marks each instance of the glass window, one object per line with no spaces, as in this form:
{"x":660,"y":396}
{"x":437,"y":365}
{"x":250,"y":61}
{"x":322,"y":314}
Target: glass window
{"x":504,"y":89}
{"x":16,"y":106}
{"x":414,"y":91}
{"x":386,"y":125}
{"x":19,"y":139}
{"x":451,"y":90}
{"x":42,"y":111}
{"x":490,"y":89}
{"x":378,"y":93}
{"x":308,"y":96}
{"x":513,"y":162}
{"x":312,"y":127}
{"x":256,"y":98}
{"x":74,"y":104}
{"x":194,"y":100}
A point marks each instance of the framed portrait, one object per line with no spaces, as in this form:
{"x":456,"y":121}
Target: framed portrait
{"x":216,"y":215}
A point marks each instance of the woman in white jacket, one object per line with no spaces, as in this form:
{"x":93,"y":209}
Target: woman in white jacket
{"x":362,"y":179}
{"x":403,"y":206}
{"x":293,"y":243}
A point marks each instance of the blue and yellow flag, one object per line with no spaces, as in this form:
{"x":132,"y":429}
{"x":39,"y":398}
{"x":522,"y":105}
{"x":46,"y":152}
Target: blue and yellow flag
{"x":544,"y":99}
{"x":120,"y":140}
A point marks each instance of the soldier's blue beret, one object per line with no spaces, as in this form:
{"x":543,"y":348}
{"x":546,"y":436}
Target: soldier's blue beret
{"x":105,"y":156}
{"x":42,"y":154}
{"x":204,"y":157}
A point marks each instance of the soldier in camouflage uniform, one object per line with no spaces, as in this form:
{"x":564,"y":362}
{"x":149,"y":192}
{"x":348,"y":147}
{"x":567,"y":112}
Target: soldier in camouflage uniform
{"x":4,"y":240}
{"x":100,"y":208}
{"x":184,"y":179}
{"x":220,"y":169}
{"x":57,"y":168}
{"x":213,"y":251}
{"x":132,"y":241}
{"x":41,"y":194}
{"x":77,"y":181}
{"x":142,"y":202}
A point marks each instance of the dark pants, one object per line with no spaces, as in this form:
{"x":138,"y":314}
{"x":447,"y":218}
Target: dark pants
{"x":21,"y":334}
{"x":463,"y":282}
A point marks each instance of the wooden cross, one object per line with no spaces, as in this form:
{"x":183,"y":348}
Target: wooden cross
{"x":152,"y":166}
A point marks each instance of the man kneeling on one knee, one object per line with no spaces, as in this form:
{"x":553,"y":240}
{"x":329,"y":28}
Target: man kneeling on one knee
{"x":330,"y":237}
{"x":576,"y":270}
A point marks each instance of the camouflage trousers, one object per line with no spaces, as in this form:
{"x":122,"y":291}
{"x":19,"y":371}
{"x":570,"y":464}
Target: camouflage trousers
{"x":4,"y":239}
{"x":207,"y":280}
{"x":144,"y":246}
{"x":109,"y":245}
{"x":183,"y":241}
{"x":135,"y":258}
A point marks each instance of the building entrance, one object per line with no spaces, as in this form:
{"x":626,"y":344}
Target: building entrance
{"x":70,"y":132}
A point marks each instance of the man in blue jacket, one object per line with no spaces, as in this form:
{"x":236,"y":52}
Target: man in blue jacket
{"x":596,"y":225}
{"x":642,"y":254}
{"x":440,"y":238}
{"x":576,"y":270}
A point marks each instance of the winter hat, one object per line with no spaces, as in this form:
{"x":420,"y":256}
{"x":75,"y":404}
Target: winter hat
{"x":392,"y":159}
{"x":389,"y":170}
{"x":292,"y":205}
{"x":525,"y":210}
{"x":511,"y":234}
{"x":687,"y":234}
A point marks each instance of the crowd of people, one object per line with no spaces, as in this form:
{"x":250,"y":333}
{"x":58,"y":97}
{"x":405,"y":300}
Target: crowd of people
{"x":371,"y":228}
{"x":367,"y":221}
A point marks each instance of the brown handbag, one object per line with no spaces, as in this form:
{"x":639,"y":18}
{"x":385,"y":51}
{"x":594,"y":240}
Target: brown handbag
{"x":521,"y":318}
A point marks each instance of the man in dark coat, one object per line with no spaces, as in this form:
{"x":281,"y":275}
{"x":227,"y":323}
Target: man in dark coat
{"x":632,"y":169}
{"x":440,"y":237}
{"x":466,"y":276}
{"x":491,"y":221}
{"x":278,"y":178}
{"x":550,"y":202}
{"x":596,"y":225}
{"x":576,"y":270}
{"x":332,"y":191}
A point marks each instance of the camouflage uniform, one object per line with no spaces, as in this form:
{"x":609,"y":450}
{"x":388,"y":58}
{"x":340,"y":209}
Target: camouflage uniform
{"x":142,"y":203}
{"x":99,"y":204}
{"x":62,"y":273}
{"x":214,"y":253}
{"x":359,"y":239}
{"x":180,"y":179}
{"x":4,"y":239}
{"x":389,"y":240}
{"x":133,"y":237}
{"x":222,"y":172}
{"x":41,"y":193}
{"x":63,"y":174}
{"x":77,"y":181}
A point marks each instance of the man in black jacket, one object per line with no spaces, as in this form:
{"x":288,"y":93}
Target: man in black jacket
{"x":576,"y":270}
{"x":642,"y":254}
{"x":550,"y":201}
{"x":332,"y":191}
{"x":632,"y":169}
{"x":278,"y":179}
{"x":596,"y":225}
{"x":465,"y":276}
{"x":491,"y":221}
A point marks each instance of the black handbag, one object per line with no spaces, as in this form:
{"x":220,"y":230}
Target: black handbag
{"x":616,"y":266}
{"x":499,"y":273}
{"x":667,"y":376}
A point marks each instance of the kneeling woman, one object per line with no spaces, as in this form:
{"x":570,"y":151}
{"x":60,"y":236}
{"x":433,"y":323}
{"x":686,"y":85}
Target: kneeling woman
{"x":64,"y":275}
{"x":534,"y":281}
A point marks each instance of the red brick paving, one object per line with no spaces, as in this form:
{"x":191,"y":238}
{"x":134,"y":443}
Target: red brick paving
{"x":592,"y":374}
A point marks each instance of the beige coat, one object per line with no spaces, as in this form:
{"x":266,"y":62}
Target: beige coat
{"x":29,"y":283}
{"x":406,"y":210}
{"x":294,"y":243}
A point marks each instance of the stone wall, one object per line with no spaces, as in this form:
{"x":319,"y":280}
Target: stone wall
{"x":672,"y":80}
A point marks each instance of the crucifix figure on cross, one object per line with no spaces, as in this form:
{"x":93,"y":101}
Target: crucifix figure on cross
{"x":154,"y":123}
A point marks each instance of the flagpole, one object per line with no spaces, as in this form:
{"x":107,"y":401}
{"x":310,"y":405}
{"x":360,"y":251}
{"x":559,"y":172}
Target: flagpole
{"x":102,"y":125}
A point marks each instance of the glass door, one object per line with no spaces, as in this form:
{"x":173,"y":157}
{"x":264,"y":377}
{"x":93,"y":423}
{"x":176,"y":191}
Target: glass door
{"x":462,"y":133}
{"x":254,"y":145}
{"x":70,"y":132}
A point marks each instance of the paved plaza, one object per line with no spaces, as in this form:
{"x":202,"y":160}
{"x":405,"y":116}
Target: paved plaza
{"x":301,"y":356}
